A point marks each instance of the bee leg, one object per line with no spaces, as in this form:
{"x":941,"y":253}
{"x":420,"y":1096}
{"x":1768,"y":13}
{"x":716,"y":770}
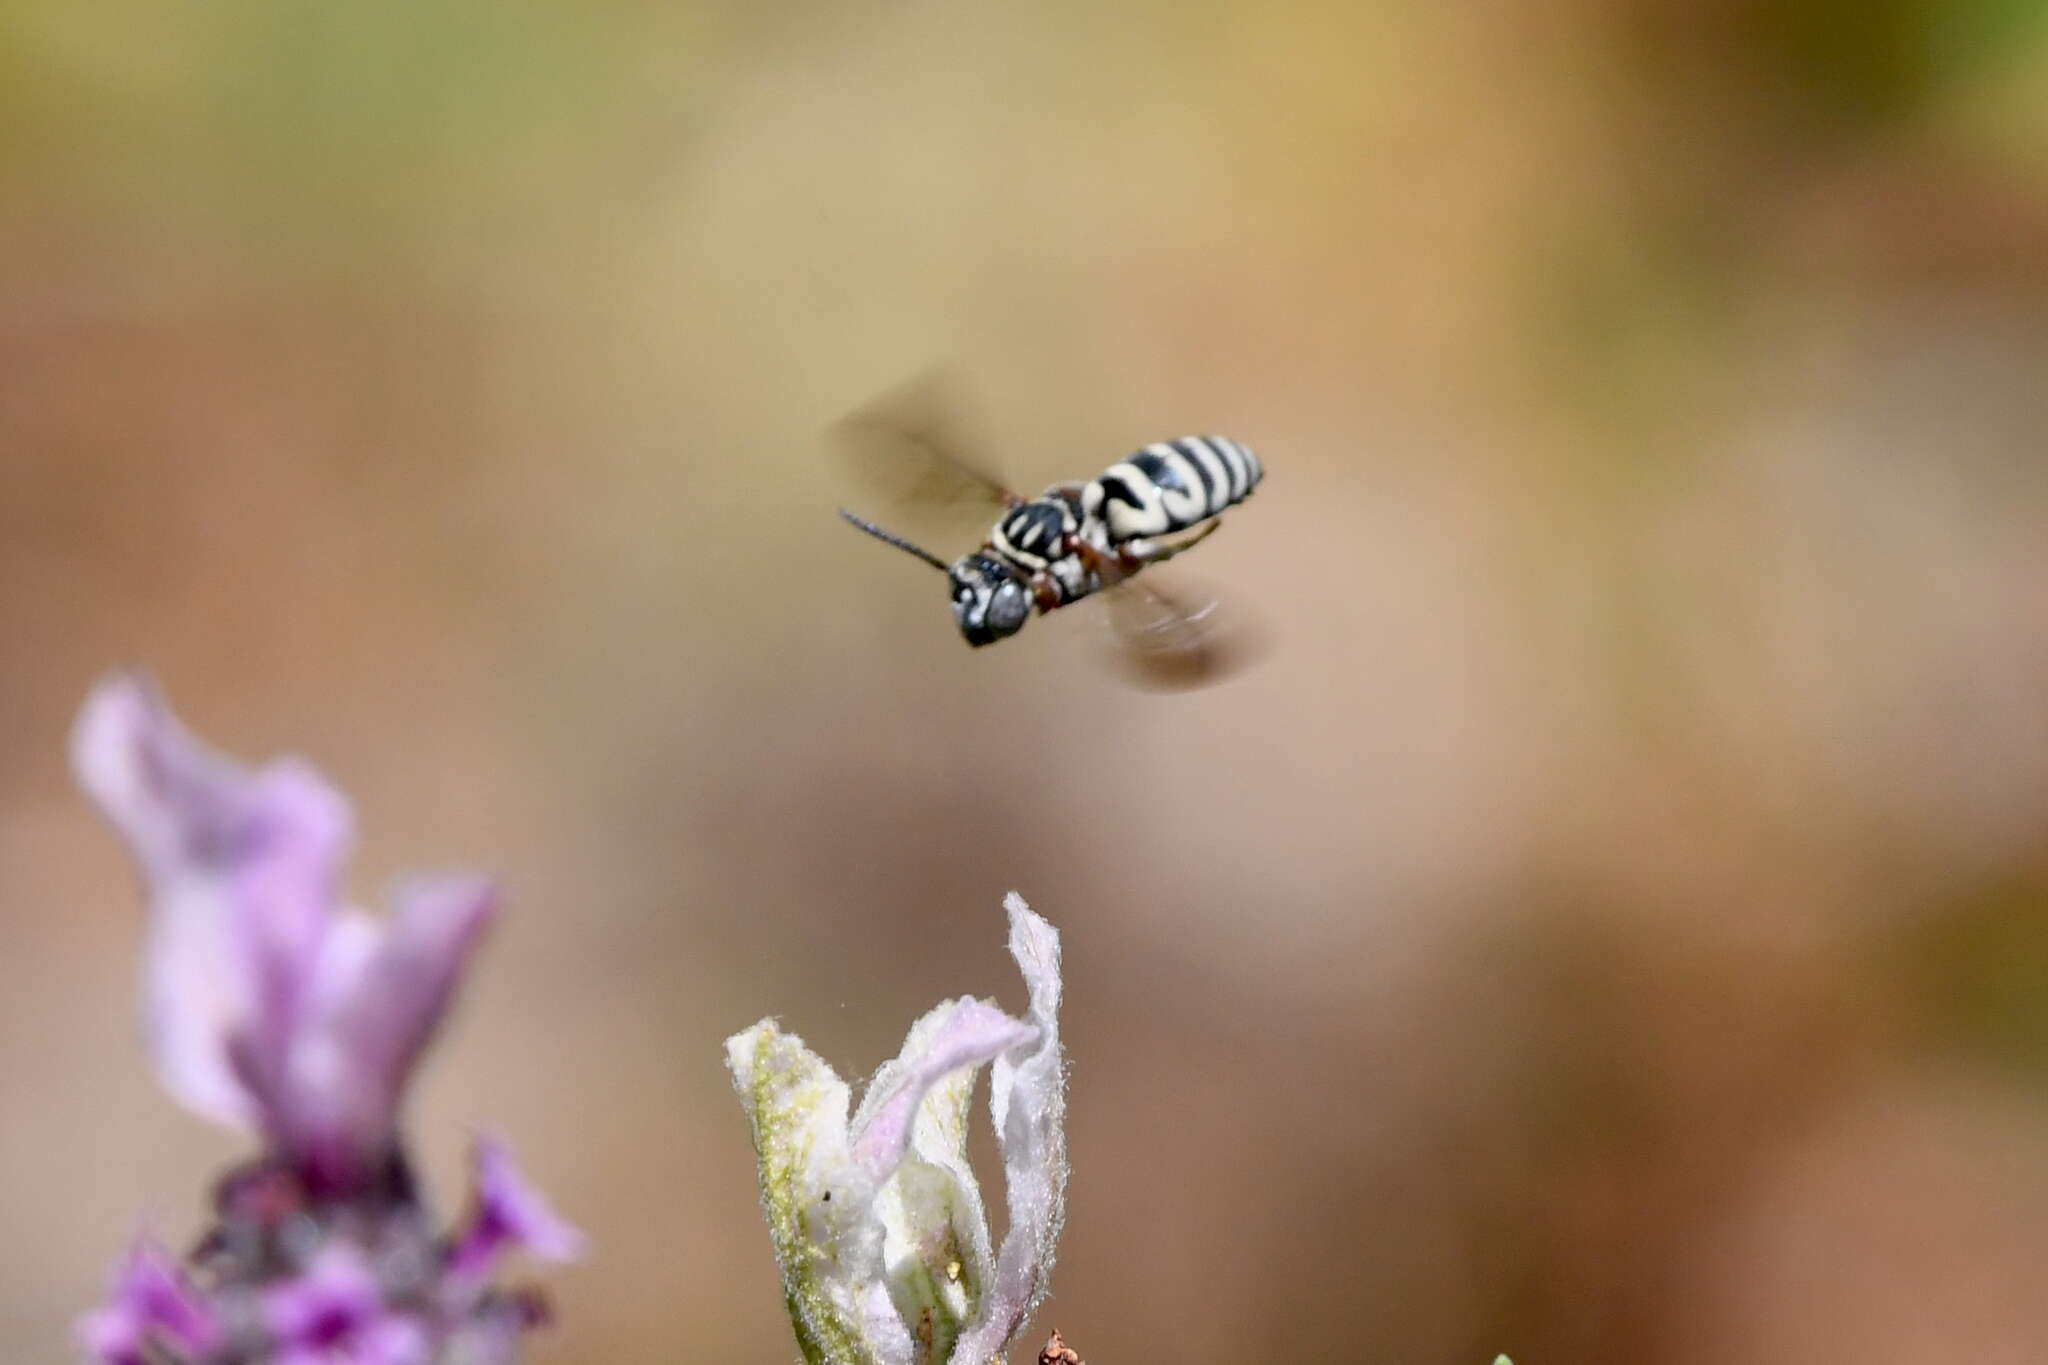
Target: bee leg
{"x":1100,"y":565}
{"x":1044,"y":593}
{"x":1122,"y":561}
{"x":1159,"y":554}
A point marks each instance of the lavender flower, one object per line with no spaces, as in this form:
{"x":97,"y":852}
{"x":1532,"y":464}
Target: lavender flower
{"x":269,"y":1005}
{"x":878,"y":1222}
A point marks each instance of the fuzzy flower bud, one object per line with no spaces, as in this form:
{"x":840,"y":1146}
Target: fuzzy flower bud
{"x":877,"y":1221}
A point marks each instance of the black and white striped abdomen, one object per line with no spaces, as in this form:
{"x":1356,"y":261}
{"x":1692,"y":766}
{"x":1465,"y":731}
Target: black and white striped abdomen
{"x":1171,"y":485}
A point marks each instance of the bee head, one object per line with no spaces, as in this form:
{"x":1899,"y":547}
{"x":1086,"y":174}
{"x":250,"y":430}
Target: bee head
{"x":989,"y":601}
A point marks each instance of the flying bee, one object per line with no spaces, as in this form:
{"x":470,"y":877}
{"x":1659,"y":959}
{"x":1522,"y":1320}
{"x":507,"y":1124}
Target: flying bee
{"x":1073,"y":541}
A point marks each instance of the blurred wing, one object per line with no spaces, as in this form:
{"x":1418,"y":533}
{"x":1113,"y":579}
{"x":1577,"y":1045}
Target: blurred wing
{"x":909,"y":449}
{"x":1167,"y":639}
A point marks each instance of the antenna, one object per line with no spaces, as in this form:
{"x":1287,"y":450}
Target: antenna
{"x":898,"y":541}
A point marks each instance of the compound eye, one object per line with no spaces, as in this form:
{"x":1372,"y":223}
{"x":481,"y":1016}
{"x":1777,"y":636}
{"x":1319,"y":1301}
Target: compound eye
{"x":1009,"y":609}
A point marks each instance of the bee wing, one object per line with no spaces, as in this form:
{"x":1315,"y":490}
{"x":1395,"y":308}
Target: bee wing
{"x":911,"y":448}
{"x":1172,"y":638}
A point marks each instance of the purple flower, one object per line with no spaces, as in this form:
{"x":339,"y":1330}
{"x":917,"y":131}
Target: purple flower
{"x":336,"y":1313}
{"x":268,"y":1002}
{"x":272,"y":1005}
{"x":508,"y":1215}
{"x":152,"y":1304}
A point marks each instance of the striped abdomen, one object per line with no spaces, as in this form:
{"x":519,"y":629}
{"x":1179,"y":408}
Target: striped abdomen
{"x":1170,"y":486}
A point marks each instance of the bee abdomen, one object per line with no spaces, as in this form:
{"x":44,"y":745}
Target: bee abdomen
{"x":1171,"y":485}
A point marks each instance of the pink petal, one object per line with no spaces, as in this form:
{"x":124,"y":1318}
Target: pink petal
{"x":380,"y":995}
{"x":972,"y":1033}
{"x":393,"y":1340}
{"x":509,"y":1214}
{"x":336,"y":1296}
{"x":240,"y":871}
{"x":286,"y":888}
{"x":335,"y":1316}
{"x":152,"y":1300}
{"x":1028,"y":1102}
{"x":111,"y":1337}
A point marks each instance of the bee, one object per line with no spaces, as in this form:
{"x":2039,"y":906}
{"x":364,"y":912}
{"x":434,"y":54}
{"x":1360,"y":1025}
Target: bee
{"x":1071,"y":542}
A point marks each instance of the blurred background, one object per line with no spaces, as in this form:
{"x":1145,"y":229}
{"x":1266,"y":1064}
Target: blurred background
{"x":1610,"y":924}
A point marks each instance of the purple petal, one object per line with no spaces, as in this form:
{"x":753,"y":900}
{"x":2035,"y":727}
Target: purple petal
{"x":379,"y":994}
{"x":240,"y":871}
{"x":1028,"y":1102}
{"x":436,"y":925}
{"x":509,"y":1215}
{"x":392,"y":1341}
{"x":151,"y":1301}
{"x":971,"y":1033}
{"x":111,"y":1337}
{"x":336,"y":1312}
{"x":333,"y":1301}
{"x":286,"y":889}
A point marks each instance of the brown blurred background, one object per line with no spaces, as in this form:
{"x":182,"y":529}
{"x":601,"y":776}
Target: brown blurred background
{"x":1612,"y":923}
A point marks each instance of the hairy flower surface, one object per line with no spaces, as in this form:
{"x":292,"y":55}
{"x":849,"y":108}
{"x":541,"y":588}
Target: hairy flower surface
{"x":877,"y":1220}
{"x":271,"y":1005}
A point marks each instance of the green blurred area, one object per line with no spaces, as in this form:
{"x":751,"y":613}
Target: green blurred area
{"x":1979,"y":970}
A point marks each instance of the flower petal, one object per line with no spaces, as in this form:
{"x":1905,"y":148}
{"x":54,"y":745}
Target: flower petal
{"x":335,"y":1298}
{"x":152,"y":1301}
{"x":1028,"y":1103}
{"x":436,"y":925}
{"x":818,"y":1201}
{"x":960,"y":1033}
{"x":509,"y":1214}
{"x":935,"y":1229}
{"x":241,"y":871}
{"x":877,"y":1224}
{"x":379,"y":993}
{"x":392,"y":1340}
